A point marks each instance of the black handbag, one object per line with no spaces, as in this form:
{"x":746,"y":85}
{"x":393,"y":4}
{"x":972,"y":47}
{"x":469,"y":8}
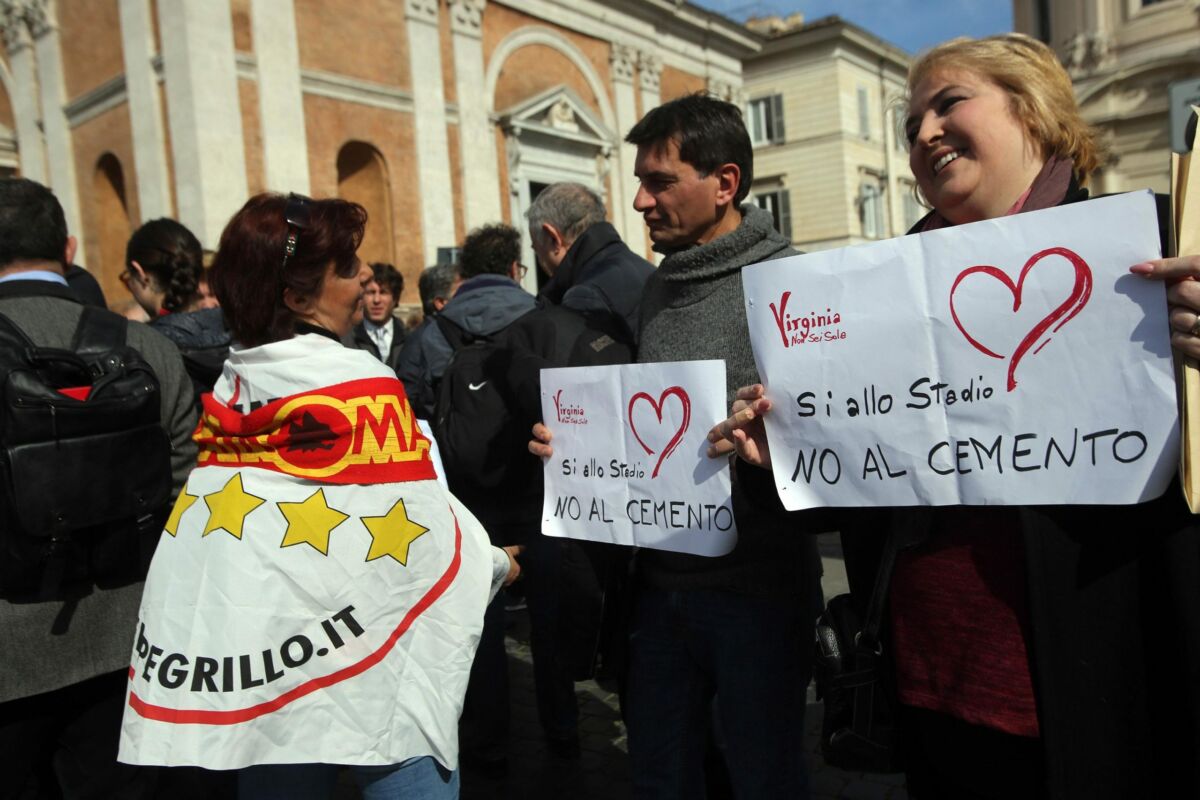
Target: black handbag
{"x":858,"y":732}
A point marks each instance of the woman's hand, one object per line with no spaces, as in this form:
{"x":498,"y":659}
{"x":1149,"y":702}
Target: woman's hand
{"x":1183,"y":298}
{"x":743,"y":432}
{"x":514,"y":567}
{"x":540,"y":444}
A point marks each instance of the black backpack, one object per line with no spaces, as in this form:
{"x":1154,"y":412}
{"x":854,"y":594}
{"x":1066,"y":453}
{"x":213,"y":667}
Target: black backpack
{"x":482,"y":445}
{"x":85,"y":471}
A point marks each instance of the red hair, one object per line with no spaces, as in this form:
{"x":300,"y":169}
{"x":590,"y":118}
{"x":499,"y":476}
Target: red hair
{"x":248,"y":276}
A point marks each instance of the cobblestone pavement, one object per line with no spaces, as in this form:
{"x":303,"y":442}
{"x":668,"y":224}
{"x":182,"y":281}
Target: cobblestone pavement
{"x":602,"y":771}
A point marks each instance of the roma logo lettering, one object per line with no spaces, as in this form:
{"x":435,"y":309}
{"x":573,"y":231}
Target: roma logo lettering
{"x":355,"y":432}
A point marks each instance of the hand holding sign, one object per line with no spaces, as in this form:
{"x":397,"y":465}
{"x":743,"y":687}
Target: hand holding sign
{"x":628,"y":465}
{"x":743,"y":432}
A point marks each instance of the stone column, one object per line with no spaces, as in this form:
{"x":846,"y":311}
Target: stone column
{"x":280,"y":102}
{"x":207,"y":146}
{"x":476,"y":137}
{"x":26,"y":106}
{"x":145,"y":111}
{"x":622,"y":60}
{"x":650,"y":78}
{"x":60,"y":152}
{"x":429,"y":120}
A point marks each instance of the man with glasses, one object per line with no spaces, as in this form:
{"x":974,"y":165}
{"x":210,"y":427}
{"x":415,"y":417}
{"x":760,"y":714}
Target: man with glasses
{"x":471,"y":416}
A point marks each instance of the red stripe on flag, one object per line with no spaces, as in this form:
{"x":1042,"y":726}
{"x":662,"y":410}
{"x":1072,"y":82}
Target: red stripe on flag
{"x":181,"y":716}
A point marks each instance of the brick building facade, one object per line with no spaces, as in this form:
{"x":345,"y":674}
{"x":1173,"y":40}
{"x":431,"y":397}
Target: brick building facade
{"x":437,"y":115}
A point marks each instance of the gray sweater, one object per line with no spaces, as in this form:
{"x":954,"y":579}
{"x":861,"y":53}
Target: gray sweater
{"x":693,"y":309}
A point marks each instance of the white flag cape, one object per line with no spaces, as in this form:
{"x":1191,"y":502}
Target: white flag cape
{"x":317,"y":595}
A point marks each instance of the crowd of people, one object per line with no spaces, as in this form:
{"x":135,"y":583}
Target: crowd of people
{"x":1031,"y":652}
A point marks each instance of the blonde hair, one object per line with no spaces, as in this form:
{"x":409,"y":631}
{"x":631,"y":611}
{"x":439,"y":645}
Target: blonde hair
{"x":1038,"y":86}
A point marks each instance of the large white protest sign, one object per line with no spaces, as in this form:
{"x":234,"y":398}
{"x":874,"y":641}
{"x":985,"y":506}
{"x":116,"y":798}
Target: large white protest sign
{"x":1010,"y":361}
{"x":629,"y":463}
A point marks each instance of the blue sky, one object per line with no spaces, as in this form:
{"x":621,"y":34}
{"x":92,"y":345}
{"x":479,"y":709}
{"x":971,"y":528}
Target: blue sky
{"x":911,"y":24}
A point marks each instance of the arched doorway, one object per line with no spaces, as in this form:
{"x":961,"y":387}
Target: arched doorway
{"x":363,"y":178}
{"x":113,"y":226}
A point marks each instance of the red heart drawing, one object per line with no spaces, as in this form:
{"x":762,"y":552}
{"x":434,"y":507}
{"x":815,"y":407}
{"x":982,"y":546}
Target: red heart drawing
{"x":658,"y":410}
{"x":1078,"y":298}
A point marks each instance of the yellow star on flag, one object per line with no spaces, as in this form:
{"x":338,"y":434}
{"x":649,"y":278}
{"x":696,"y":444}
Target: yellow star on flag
{"x":228,"y":508}
{"x":392,"y":534}
{"x":182,"y":504}
{"x":311,"y":522}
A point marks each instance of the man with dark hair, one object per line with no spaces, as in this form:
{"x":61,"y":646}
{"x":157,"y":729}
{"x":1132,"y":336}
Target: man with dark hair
{"x":488,"y":301}
{"x":436,"y":286}
{"x":735,"y":628}
{"x":64,"y":661}
{"x":739,"y":626}
{"x":476,"y":319}
{"x":379,"y":333}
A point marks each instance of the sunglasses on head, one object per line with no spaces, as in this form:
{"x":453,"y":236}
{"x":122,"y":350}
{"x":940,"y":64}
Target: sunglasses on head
{"x":298,"y":215}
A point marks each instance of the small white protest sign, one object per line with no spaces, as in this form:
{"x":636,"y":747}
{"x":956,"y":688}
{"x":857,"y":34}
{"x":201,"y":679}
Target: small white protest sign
{"x":1011,"y":361}
{"x":629,"y":464}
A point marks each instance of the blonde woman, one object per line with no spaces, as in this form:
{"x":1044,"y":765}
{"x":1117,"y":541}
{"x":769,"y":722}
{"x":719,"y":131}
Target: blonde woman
{"x":1047,"y":651}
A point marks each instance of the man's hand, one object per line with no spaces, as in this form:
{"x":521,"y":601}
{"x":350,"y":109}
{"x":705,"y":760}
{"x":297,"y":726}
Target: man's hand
{"x":743,"y":431}
{"x":540,"y":444}
{"x":514,"y":567}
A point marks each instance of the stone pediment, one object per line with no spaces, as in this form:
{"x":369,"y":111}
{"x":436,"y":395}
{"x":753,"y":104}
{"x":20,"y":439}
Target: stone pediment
{"x":557,"y":112}
{"x":1137,"y":90}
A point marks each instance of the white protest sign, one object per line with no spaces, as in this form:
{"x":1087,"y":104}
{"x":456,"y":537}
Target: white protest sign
{"x":629,"y":464}
{"x":1010,"y":361}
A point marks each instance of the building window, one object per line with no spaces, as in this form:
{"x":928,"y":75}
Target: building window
{"x":864,"y":113}
{"x":766,"y":119}
{"x":870,"y":196}
{"x":913,"y":210}
{"x":780,"y":207}
{"x":1041,"y":21}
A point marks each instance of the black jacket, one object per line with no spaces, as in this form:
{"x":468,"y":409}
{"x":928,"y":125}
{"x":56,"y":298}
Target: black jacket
{"x":359,"y":338}
{"x":600,"y":274}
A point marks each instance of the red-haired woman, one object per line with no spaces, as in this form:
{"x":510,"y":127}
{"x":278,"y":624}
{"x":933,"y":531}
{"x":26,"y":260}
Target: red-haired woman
{"x":318,"y":596}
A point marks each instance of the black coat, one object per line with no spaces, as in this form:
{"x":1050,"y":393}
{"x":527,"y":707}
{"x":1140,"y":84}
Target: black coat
{"x":600,"y":274}
{"x":1114,"y":604}
{"x":359,"y":338}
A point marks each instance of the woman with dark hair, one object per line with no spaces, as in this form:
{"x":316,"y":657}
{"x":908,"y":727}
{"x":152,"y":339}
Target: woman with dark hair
{"x":164,"y":273}
{"x":1038,"y":651}
{"x":322,"y":521}
{"x":163,"y":267}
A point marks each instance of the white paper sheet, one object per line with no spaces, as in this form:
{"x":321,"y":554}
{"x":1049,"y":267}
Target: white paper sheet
{"x":629,"y":464}
{"x":1010,"y":361}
